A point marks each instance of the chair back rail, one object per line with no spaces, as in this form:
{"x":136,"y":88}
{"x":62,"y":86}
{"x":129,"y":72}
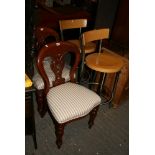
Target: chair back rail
{"x":72,"y":24}
{"x":94,"y":35}
{"x":42,"y":33}
{"x":57,"y":51}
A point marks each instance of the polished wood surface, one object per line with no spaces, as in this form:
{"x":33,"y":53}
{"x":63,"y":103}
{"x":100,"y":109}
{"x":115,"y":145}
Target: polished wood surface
{"x":72,"y":23}
{"x":75,"y":41}
{"x":57,"y":52}
{"x":42,"y":33}
{"x":88,"y":48}
{"x":89,"y":38}
{"x":94,"y":35}
{"x":79,"y":24}
{"x":104,"y":62}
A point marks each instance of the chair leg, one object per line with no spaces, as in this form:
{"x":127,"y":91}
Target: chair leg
{"x":93,"y":114}
{"x":41,"y":101}
{"x":59,"y":131}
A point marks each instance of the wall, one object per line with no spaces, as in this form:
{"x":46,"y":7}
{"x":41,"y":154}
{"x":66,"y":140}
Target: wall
{"x":106,"y":13}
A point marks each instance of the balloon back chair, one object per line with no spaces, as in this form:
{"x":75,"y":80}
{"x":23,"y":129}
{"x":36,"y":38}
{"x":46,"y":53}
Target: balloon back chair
{"x":44,"y":35}
{"x":67,"y":101}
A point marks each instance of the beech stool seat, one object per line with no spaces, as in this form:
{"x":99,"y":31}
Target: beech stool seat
{"x":104,"y":62}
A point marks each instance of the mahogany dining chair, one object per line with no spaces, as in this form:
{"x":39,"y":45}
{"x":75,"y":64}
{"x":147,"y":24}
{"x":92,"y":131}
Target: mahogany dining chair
{"x":67,"y":101}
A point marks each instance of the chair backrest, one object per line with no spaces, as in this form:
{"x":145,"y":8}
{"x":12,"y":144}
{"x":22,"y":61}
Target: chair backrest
{"x":41,"y":35}
{"x":95,"y":35}
{"x":72,"y":24}
{"x":57,"y":51}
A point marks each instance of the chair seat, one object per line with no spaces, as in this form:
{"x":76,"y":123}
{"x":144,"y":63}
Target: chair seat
{"x":70,"y":101}
{"x":104,"y":62}
{"x":89,"y":47}
{"x":38,"y":81}
{"x":76,"y":42}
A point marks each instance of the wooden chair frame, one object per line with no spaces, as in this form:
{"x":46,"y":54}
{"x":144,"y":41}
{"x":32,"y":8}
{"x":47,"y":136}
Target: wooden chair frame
{"x":72,"y":24}
{"x":41,"y":34}
{"x":57,"y":52}
{"x":90,"y":36}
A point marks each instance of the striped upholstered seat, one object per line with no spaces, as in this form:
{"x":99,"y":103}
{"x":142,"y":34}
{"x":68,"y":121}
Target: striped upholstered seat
{"x":70,"y":101}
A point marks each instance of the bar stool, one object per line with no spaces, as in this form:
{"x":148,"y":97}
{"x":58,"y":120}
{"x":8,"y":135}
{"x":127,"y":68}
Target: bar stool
{"x":93,"y":36}
{"x":102,"y":62}
{"x":78,"y":24}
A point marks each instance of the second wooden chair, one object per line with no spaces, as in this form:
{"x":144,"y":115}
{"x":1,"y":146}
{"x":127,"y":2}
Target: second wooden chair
{"x":43,"y":36}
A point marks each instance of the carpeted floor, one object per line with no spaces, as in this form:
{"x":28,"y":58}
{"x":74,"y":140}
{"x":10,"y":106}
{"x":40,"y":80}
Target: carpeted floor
{"x":108,"y":136}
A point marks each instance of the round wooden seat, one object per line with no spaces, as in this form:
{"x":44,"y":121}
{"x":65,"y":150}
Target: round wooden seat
{"x":104,"y":62}
{"x":76,"y":42}
{"x":88,"y":48}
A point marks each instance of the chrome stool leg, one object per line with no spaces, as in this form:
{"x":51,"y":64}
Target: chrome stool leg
{"x":92,"y":77}
{"x":114,"y":88}
{"x":101,"y":87}
{"x":101,"y":83}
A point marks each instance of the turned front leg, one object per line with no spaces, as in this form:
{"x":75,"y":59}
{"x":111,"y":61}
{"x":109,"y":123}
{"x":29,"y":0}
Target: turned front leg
{"x":59,"y":131}
{"x":93,"y":114}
